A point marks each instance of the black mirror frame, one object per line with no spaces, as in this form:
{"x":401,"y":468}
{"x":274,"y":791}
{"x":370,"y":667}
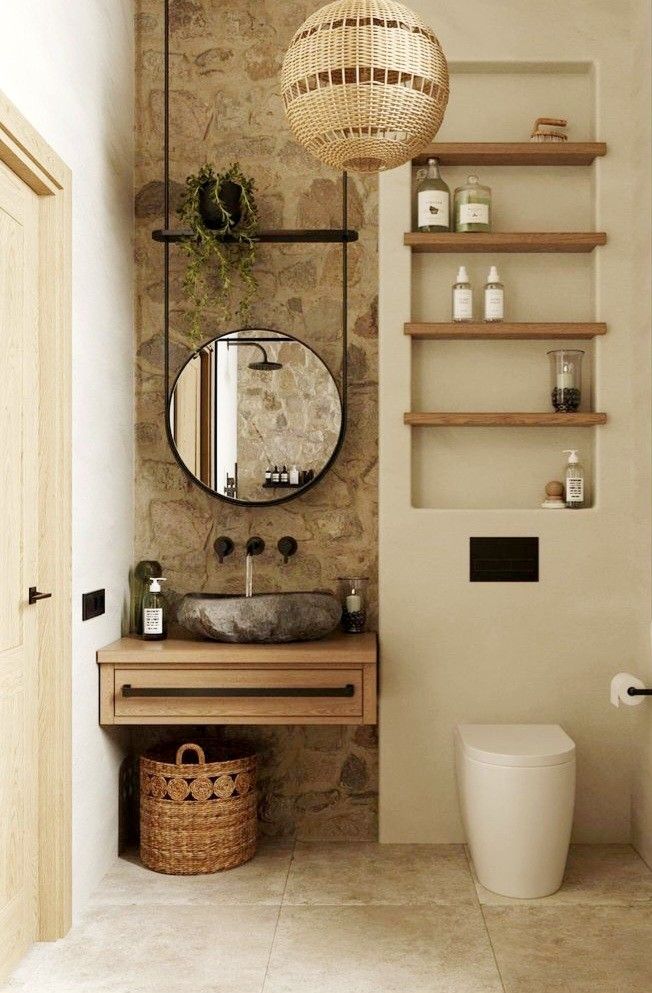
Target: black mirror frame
{"x":301,"y":490}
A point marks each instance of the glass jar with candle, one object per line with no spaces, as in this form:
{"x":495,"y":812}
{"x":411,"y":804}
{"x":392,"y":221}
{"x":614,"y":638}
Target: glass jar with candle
{"x":353,"y":591}
{"x":566,"y":379}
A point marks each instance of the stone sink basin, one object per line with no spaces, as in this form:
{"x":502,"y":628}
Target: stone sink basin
{"x":270,"y":618}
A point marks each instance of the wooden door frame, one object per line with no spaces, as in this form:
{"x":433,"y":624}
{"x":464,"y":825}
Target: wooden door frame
{"x":24,"y":151}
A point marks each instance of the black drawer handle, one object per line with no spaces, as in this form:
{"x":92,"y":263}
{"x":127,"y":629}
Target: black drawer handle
{"x":233,"y":691}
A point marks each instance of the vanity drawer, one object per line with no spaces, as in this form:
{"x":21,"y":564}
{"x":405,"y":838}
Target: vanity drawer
{"x":153,"y":696}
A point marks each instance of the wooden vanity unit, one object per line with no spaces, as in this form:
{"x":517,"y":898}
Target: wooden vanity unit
{"x":180,"y":681}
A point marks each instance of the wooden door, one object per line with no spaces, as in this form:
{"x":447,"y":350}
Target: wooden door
{"x":19,"y":391}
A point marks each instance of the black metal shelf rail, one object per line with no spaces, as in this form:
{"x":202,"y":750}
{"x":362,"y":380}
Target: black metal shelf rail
{"x":286,"y":236}
{"x":168,"y":235}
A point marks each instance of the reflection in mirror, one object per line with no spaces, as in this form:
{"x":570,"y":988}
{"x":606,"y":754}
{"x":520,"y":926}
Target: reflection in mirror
{"x":255,"y":416}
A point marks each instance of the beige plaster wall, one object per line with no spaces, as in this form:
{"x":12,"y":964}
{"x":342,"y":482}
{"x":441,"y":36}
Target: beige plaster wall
{"x":642,"y":793}
{"x":225,"y":105}
{"x":454,"y":651}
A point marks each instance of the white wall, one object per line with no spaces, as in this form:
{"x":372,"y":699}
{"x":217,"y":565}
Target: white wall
{"x":452,"y":650}
{"x":68,"y":65}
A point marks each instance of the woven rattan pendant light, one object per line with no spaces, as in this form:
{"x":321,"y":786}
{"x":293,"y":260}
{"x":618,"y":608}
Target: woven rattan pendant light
{"x":364,"y":84}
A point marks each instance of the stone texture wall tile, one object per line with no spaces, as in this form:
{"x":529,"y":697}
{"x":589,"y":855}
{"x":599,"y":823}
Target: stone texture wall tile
{"x":315,"y":782}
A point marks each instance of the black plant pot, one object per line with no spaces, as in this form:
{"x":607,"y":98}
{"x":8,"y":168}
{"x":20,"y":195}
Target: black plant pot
{"x":231,"y":199}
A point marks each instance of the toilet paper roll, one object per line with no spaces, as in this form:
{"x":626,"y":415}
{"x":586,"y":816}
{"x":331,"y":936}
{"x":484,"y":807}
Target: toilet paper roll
{"x":619,"y":686}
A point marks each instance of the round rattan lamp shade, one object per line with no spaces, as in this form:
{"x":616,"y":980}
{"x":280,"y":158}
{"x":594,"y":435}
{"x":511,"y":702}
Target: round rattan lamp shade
{"x":364,"y":84}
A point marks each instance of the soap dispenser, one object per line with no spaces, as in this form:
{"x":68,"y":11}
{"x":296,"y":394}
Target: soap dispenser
{"x":574,"y":481}
{"x":154,"y":620}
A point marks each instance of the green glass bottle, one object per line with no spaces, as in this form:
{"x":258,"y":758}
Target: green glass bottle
{"x":472,"y":206}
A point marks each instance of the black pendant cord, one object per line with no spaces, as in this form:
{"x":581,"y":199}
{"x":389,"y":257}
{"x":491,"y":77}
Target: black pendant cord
{"x":345,"y":301}
{"x":166,"y":211}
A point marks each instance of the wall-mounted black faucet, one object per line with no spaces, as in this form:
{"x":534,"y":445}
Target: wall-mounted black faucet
{"x":287,"y":546}
{"x":255,"y":546}
{"x":223,"y":546}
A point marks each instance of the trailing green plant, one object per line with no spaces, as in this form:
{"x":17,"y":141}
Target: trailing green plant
{"x":216,"y":265}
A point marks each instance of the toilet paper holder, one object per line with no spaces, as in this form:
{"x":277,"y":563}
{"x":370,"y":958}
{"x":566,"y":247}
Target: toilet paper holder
{"x":628,"y":689}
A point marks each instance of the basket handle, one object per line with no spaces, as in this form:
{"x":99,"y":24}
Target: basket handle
{"x":197,"y":749}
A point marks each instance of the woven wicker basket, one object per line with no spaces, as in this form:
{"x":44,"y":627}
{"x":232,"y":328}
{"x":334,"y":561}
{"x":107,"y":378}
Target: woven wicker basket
{"x":364,"y":84}
{"x":196,"y":817}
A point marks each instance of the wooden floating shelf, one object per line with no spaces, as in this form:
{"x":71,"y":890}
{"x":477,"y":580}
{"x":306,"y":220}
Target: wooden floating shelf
{"x":530,"y":153}
{"x":501,"y":331}
{"x":504,"y":419}
{"x":317,"y":236}
{"x":504,"y":241}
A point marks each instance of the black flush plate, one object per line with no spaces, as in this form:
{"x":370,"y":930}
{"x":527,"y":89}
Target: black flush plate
{"x":92,"y":604}
{"x":504,"y":560}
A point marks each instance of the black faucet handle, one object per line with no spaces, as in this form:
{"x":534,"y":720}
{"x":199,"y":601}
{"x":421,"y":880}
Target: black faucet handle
{"x":287,"y":546}
{"x":255,"y":545}
{"x":223,"y":546}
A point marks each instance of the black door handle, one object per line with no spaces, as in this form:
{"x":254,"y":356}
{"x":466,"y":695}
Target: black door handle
{"x":234,"y":691}
{"x":34,"y":595}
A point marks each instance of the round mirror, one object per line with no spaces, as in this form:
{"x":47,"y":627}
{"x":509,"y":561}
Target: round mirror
{"x":255,"y":416}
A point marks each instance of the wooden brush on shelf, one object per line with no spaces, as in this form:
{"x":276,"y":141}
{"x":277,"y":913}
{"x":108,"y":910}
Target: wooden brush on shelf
{"x":548,"y":129}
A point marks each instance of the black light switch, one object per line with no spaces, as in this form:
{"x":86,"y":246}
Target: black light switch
{"x":504,"y":560}
{"x":92,"y":604}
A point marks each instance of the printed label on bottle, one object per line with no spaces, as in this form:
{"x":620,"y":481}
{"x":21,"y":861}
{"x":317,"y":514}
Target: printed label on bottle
{"x":493,"y":305}
{"x":462,"y":305}
{"x":152,"y":620}
{"x":474,"y":213}
{"x":574,"y":489}
{"x":433,"y":208}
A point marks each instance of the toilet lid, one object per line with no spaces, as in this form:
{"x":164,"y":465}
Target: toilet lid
{"x":517,"y":744}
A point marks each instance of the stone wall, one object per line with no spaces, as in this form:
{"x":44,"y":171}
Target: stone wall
{"x":289,"y":416}
{"x":225,"y":106}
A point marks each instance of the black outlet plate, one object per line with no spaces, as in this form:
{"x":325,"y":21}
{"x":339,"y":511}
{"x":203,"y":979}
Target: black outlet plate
{"x":504,"y":560}
{"x":92,"y":604}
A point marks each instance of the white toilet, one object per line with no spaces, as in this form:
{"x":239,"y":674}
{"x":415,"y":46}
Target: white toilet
{"x":516,"y":785}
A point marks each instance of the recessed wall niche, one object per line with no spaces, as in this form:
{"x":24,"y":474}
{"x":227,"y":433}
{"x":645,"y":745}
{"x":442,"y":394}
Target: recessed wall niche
{"x":506,"y":467}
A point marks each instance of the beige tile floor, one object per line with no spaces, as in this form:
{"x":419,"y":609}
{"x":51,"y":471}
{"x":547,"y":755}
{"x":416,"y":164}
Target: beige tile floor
{"x":355,"y":918}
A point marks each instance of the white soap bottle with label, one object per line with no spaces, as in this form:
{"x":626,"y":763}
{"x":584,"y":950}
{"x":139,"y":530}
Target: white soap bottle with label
{"x":494,"y":297}
{"x":154,"y":620}
{"x":574,"y":481}
{"x":433,"y":200}
{"x":462,"y":297}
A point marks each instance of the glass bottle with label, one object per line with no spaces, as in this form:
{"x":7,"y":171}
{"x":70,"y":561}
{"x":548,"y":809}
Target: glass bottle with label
{"x":462,"y":297}
{"x":433,"y":200}
{"x":154,"y":621}
{"x":494,"y":297}
{"x":574,"y":481}
{"x":472,"y":206}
